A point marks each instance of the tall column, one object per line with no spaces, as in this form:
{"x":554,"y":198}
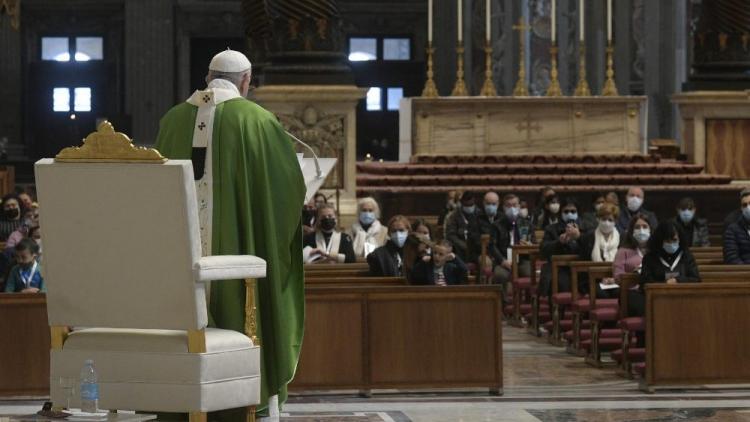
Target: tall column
{"x":596,"y":43}
{"x":10,"y":88}
{"x":149,"y":64}
{"x":444,"y":40}
{"x":659,"y":71}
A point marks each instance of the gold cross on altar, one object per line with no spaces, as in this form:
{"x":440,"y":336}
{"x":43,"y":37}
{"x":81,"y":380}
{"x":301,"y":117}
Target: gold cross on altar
{"x":527,"y":125}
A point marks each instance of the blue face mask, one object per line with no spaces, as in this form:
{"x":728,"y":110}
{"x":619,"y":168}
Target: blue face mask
{"x":671,"y":247}
{"x":512,"y":212}
{"x":367,"y":217}
{"x":570,"y":217}
{"x":399,"y":238}
{"x":746,"y":213}
{"x":687,"y":215}
{"x":490,"y":209}
{"x":469,"y":210}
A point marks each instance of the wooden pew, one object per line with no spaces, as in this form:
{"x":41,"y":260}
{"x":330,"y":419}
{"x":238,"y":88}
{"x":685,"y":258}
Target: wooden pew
{"x":685,"y":346}
{"x":355,"y":281}
{"x":412,"y":337}
{"x":24,"y":350}
{"x":577,"y":270}
{"x":558,"y":262}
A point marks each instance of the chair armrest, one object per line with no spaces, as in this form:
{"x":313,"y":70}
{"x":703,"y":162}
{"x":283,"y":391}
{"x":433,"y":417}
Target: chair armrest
{"x":229,"y":267}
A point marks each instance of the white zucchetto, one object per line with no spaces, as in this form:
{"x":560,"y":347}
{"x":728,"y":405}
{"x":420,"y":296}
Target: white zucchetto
{"x":230,"y":61}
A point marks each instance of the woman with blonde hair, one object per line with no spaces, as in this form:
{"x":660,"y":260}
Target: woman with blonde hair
{"x":367,"y":233}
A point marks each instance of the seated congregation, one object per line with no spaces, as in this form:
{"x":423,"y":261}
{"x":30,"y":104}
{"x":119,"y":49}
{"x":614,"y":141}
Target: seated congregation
{"x":577,"y":274}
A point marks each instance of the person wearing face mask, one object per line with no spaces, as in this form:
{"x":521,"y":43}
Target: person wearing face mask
{"x":668,"y":261}
{"x":537,"y":218}
{"x":326,"y":244}
{"x":367,"y":232}
{"x":737,"y":235}
{"x":551,"y":213}
{"x":462,"y":229}
{"x":561,"y":238}
{"x":525,"y":223}
{"x":695,"y":229}
{"x":25,"y":276}
{"x":11,"y":219}
{"x":518,"y":231}
{"x":590,"y":218}
{"x":388,"y":260}
{"x":490,"y":221}
{"x":634,"y":205}
{"x":634,"y":246}
{"x":601,"y":244}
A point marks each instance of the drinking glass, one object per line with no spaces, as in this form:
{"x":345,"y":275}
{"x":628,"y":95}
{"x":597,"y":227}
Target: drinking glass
{"x":69,"y":385}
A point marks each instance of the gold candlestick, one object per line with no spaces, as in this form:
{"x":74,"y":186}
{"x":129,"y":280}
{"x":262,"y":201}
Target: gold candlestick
{"x":554,"y":89}
{"x":488,"y":89}
{"x":430,"y":90}
{"x":459,"y":90}
{"x":582,"y":89}
{"x":610,"y":88}
{"x":520,"y":90}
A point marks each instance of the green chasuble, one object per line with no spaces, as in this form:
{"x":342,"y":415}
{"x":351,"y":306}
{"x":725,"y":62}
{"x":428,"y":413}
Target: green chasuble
{"x":258,"y":192}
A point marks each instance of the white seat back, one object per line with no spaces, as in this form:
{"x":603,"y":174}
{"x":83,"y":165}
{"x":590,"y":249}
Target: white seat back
{"x":120,"y":244}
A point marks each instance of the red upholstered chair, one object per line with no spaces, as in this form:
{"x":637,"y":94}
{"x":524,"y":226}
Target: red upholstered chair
{"x":561,"y":300}
{"x":581,"y":302}
{"x":521,"y":285}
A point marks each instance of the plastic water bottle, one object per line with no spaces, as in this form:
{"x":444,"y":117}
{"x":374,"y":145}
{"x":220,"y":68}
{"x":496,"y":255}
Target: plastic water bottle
{"x":89,"y":388}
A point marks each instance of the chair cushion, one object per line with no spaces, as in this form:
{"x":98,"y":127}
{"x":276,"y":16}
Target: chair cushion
{"x":640,"y":368}
{"x":562,"y":298}
{"x":152,"y":370}
{"x":522,"y":283}
{"x":604,"y":314}
{"x":633,"y":324}
{"x":229,"y":267}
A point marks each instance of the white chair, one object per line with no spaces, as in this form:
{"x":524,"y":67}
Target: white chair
{"x":122,"y":257}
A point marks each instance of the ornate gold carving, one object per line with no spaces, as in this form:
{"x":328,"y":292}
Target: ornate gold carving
{"x":459,"y":89}
{"x":488,"y":89}
{"x":554,"y":89}
{"x":520,"y":89}
{"x":251,"y":322}
{"x":582,"y":89}
{"x":13,"y":9}
{"x":430,"y":90}
{"x":610,"y":88}
{"x":106,"y":145}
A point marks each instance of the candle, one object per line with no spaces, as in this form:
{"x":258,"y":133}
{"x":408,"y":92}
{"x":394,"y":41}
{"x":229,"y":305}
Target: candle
{"x":429,"y":21}
{"x":553,"y":27}
{"x":460,"y":23}
{"x":487,"y":24}
{"x":609,"y":20}
{"x":580,"y":15}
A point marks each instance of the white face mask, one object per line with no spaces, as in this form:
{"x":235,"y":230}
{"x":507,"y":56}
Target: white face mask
{"x":606,"y":226}
{"x":524,"y":212}
{"x":399,"y":238}
{"x":554,"y":208}
{"x":634,"y":203}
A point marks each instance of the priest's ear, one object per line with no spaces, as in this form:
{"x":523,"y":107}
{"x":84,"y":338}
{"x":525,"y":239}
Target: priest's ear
{"x":245,"y":83}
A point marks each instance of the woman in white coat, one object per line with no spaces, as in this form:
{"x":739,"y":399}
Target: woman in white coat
{"x":367,"y":233}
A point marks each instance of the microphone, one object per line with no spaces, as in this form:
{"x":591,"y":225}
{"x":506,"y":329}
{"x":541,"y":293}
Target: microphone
{"x":309,"y":148}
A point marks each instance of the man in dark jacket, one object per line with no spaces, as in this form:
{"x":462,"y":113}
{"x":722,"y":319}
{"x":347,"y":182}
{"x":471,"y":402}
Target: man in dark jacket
{"x":694,"y":228}
{"x":462,"y":229}
{"x":634,"y":205}
{"x":490,"y":222}
{"x":737,"y":235}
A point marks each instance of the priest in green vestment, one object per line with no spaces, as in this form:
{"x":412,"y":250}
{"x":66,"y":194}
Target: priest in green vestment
{"x":250,"y":192}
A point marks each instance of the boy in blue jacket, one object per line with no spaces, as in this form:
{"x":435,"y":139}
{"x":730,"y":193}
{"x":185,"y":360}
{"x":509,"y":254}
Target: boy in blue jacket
{"x":25,"y":276}
{"x":441,"y":269}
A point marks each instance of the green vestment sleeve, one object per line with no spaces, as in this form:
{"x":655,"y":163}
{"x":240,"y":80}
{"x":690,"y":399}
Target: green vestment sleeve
{"x":258,"y":192}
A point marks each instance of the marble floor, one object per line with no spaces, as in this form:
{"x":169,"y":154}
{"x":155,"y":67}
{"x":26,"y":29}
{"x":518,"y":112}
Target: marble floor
{"x":542,"y":384}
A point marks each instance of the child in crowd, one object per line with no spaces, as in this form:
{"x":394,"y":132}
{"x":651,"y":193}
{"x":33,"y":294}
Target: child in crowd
{"x":25,"y":276}
{"x":442,"y":269}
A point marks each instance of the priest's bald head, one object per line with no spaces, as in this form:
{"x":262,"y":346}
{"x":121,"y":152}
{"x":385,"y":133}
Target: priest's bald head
{"x":232,"y":66}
